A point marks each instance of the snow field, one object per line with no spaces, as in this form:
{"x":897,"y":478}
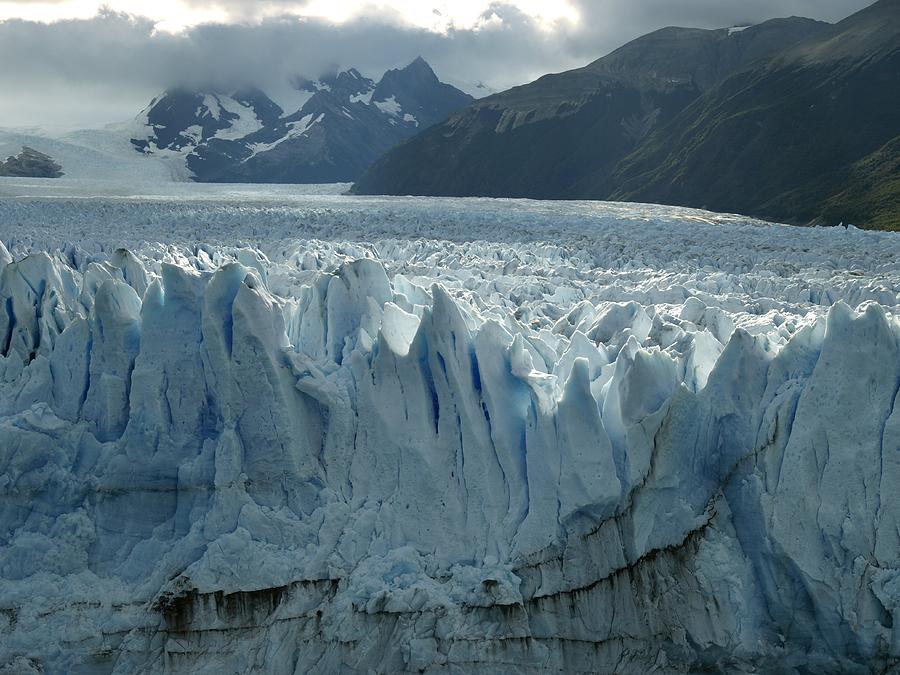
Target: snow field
{"x":361,"y":434}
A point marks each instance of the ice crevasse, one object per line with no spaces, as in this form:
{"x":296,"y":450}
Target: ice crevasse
{"x":199,"y":474}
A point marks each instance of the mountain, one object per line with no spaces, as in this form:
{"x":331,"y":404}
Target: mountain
{"x":812,"y":135}
{"x":347,"y":122}
{"x":30,"y":163}
{"x":543,"y":139}
{"x":790,"y":120}
{"x":182,"y":119}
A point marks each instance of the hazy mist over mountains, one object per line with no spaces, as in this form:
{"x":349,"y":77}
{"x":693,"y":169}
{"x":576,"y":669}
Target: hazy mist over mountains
{"x":88,"y":72}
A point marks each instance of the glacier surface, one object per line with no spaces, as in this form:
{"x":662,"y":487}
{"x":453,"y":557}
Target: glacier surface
{"x":253,"y":430}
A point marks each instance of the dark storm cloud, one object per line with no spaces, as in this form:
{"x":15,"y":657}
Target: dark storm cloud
{"x":116,"y":60}
{"x":118,"y":48}
{"x":100,"y":69}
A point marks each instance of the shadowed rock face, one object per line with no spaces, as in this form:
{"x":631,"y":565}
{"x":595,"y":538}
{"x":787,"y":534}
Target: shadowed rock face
{"x":790,"y":120}
{"x":550,"y":138}
{"x":30,"y":164}
{"x":809,"y":136}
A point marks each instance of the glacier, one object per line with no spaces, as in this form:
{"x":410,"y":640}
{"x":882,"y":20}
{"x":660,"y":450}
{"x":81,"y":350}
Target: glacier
{"x":350,"y":434}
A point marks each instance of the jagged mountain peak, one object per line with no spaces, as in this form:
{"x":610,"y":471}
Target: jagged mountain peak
{"x":417,"y":91}
{"x":417,"y":73}
{"x":419,"y":65}
{"x":347,"y":83}
{"x":343,"y":122}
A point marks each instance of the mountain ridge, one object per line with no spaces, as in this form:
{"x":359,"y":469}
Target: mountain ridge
{"x":604,"y":109}
{"x":558,"y":138}
{"x":820,"y":112}
{"x":347,"y":121}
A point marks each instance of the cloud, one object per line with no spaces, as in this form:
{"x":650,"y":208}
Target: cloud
{"x":88,"y":72}
{"x":53,"y":71}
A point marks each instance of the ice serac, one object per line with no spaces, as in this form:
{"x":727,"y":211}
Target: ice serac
{"x":201,"y":464}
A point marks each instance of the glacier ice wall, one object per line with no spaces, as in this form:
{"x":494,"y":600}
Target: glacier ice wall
{"x":303,"y":460}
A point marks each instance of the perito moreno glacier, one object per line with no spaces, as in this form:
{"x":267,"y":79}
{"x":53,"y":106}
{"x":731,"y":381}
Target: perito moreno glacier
{"x":279,"y":433}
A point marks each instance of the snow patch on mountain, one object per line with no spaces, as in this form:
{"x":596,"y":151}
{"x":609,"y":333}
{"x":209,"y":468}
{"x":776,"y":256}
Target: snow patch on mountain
{"x":211,"y":106}
{"x":364,"y":97}
{"x":295,"y":130}
{"x":389,"y":106}
{"x":246,"y":123}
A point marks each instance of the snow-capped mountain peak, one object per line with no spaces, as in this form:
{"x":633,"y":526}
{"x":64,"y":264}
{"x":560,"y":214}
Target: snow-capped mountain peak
{"x":348,"y":82}
{"x":181,"y":120}
{"x":344,"y":122}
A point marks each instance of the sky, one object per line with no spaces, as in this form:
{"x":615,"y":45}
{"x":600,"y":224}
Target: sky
{"x":76,"y":63}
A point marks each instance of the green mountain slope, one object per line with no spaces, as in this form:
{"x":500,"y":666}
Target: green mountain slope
{"x":871,"y":191}
{"x":798,"y":123}
{"x":795,"y":139}
{"x":545,"y":138}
